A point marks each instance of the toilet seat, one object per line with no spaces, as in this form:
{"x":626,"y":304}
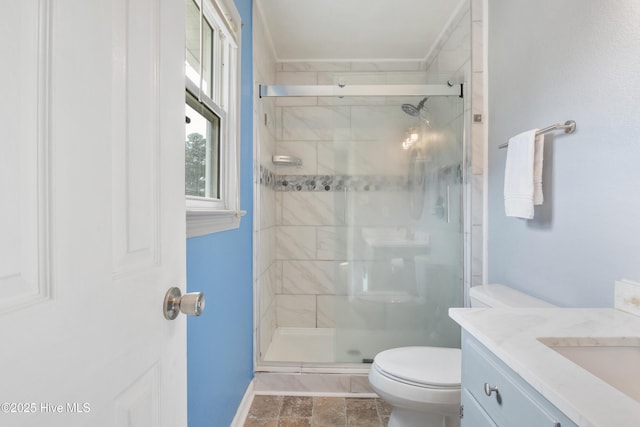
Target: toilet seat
{"x":418,"y":382}
{"x":425,"y":367}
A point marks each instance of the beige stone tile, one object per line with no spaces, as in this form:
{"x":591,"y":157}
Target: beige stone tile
{"x":305,"y":411}
{"x":261,"y":423}
{"x":294,"y":422}
{"x":362,"y":412}
{"x":329,"y":412}
{"x":296,"y":407}
{"x":265,"y":407}
{"x":384,"y":411}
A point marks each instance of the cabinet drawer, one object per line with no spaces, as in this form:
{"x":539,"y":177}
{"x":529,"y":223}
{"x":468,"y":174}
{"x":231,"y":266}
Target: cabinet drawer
{"x":515,"y":403}
{"x":473,"y":415}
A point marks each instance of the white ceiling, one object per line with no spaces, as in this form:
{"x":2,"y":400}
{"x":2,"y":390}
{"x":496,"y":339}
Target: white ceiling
{"x":354,"y":29}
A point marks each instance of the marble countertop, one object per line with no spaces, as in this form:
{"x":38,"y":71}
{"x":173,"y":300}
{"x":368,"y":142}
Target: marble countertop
{"x":512,"y":335}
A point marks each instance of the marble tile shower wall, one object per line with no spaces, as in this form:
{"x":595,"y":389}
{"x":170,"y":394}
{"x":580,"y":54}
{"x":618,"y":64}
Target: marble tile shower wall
{"x":265,"y":271}
{"x":478,"y":143}
{"x":347,"y":162}
{"x":298,"y":233}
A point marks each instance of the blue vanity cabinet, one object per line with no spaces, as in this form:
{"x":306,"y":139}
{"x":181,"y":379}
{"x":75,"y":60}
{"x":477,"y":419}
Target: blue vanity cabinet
{"x":494,"y":395}
{"x":473,"y":414}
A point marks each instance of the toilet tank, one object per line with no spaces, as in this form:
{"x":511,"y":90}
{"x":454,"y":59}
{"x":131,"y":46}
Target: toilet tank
{"x":500,"y":296}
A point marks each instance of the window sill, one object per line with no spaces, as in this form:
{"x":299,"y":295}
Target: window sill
{"x":201,"y":222}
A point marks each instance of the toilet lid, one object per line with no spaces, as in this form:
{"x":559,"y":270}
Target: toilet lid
{"x":434,"y":366}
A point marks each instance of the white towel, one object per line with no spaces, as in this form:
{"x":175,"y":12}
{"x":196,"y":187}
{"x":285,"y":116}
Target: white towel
{"x":523,"y":174}
{"x":538,"y":197}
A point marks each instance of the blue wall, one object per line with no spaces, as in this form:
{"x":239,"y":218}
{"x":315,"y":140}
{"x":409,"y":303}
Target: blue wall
{"x":552,"y":61}
{"x":220,"y":342}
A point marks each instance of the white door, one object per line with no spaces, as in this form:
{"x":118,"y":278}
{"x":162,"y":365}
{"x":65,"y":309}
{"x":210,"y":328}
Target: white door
{"x":91,"y":212}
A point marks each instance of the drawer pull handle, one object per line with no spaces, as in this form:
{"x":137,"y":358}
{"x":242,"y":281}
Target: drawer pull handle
{"x":489,"y":389}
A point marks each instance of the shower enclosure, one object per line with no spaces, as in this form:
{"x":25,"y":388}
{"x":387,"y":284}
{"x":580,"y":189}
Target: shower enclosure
{"x":363,"y":187}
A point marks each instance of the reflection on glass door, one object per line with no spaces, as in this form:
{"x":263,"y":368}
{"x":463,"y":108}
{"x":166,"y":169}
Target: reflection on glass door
{"x":397,"y":245}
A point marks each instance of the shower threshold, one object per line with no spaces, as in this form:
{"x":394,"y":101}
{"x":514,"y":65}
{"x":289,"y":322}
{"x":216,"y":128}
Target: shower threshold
{"x":302,"y":362}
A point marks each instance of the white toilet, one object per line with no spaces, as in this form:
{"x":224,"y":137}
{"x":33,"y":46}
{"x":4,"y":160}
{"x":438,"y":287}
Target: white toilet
{"x":423,"y":383}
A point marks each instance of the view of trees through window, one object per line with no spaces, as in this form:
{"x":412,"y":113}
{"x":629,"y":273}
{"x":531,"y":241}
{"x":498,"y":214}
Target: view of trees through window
{"x":202,"y":150}
{"x":196,"y":165}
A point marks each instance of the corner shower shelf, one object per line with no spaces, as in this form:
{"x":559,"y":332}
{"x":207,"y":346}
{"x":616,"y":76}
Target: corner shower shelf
{"x":280,"y":160}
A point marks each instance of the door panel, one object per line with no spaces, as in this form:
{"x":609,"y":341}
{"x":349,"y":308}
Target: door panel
{"x":24,"y":228}
{"x":92,"y":214}
{"x":136,"y":180}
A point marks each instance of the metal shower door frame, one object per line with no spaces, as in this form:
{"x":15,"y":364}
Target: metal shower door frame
{"x":360,"y":90}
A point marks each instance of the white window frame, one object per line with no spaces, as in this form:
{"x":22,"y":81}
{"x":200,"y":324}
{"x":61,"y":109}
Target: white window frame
{"x":209,"y":215}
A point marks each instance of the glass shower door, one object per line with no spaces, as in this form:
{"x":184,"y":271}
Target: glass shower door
{"x":397,"y":246}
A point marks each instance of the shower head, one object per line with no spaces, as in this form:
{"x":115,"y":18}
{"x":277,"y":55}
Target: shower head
{"x":414,"y":110}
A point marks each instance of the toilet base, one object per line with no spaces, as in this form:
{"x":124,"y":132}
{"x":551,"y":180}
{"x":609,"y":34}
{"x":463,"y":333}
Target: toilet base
{"x":401,"y":417}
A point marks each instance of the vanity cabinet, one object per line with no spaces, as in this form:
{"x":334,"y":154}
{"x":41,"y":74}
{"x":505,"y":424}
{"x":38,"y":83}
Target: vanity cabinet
{"x":494,"y":395}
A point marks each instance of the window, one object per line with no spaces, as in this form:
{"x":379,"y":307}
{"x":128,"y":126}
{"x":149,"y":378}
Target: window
{"x":212,"y":101}
{"x":202,"y":151}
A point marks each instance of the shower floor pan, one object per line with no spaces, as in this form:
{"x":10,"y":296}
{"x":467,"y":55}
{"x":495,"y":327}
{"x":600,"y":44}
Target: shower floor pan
{"x":314,"y":345}
{"x":324,"y":345}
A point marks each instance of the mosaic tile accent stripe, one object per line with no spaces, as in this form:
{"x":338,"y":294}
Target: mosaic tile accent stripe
{"x":324,"y":183}
{"x":340,"y":183}
{"x":267,"y":178}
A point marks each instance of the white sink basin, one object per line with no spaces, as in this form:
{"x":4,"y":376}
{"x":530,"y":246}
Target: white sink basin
{"x":615,"y":360}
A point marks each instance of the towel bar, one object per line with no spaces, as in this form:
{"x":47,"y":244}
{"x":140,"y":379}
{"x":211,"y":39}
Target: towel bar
{"x":569,"y":127}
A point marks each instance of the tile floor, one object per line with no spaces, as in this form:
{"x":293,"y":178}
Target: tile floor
{"x":305,"y":411}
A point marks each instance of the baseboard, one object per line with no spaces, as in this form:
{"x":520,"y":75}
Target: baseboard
{"x":245,"y":405}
